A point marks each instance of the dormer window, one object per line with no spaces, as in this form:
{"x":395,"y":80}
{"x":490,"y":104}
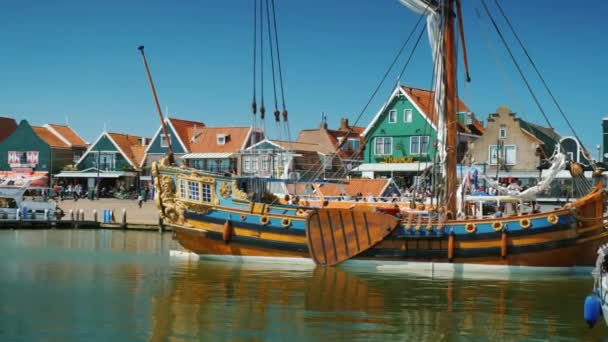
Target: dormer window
{"x":221,"y":139}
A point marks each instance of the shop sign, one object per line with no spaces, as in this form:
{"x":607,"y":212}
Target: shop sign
{"x":27,"y":159}
{"x":392,"y":160}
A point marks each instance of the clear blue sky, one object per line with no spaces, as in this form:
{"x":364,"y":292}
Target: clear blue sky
{"x":78,"y":59}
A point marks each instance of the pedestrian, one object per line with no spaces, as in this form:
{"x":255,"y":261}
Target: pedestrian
{"x":140,"y":197}
{"x":146,"y":194}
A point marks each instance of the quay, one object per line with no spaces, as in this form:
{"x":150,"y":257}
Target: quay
{"x":87,"y":214}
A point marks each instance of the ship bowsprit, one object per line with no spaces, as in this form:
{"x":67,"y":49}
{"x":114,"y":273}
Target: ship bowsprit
{"x":337,"y":234}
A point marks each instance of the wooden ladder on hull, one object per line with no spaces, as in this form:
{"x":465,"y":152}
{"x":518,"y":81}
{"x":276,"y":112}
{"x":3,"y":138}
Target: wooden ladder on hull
{"x":338,"y":234}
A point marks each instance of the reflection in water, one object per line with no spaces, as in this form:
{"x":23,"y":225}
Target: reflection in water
{"x":113,"y":285}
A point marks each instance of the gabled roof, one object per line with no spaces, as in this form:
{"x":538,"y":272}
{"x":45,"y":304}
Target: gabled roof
{"x":206,"y":141}
{"x":424,"y":101}
{"x":49,"y":137}
{"x":130,"y":146}
{"x":548,"y":137}
{"x":185,"y":130}
{"x":59,"y":136}
{"x":7,"y":127}
{"x":68,"y":134}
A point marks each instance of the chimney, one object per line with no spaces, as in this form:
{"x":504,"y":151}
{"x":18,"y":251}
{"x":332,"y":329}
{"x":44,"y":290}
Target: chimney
{"x":344,"y":124}
{"x":143,"y":141}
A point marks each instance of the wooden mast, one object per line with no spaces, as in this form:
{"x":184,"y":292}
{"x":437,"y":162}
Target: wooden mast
{"x":160,"y":112}
{"x":451,"y":181}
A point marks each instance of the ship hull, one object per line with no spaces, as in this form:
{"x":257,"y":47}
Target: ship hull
{"x":558,"y":246}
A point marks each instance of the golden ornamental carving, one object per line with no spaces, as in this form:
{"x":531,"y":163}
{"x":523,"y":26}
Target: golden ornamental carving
{"x":238,"y":193}
{"x":225,"y":190}
{"x":168,"y":207}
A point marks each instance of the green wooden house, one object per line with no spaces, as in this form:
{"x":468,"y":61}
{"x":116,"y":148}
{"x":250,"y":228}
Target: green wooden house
{"x":113,"y":162}
{"x":39,"y":151}
{"x":400,"y":141}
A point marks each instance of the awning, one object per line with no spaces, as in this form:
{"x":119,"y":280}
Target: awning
{"x":395,"y":167}
{"x":106,"y":174}
{"x":218,"y":155}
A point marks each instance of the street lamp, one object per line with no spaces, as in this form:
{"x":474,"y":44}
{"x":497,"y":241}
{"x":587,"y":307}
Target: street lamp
{"x":598,"y":148}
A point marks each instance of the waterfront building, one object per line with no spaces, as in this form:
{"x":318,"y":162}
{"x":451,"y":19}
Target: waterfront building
{"x":112,"y":163}
{"x":181,"y":135}
{"x":217,"y":149}
{"x":39,"y":151}
{"x":346,"y":140}
{"x":400,"y":140}
{"x":516,"y":149}
{"x":286,"y":159}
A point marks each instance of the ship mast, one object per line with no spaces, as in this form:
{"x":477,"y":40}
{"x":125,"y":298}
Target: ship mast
{"x":449,"y":110}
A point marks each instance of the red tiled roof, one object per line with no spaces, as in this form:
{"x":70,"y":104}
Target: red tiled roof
{"x":206,"y":140}
{"x":131,"y":146}
{"x":425,"y":100}
{"x":186,"y":129}
{"x":7,"y":127}
{"x":49,"y":137}
{"x":68,"y":134}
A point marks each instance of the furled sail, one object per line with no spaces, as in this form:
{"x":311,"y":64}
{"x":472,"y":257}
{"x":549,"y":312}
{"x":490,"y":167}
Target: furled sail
{"x":558,"y":163}
{"x":434,"y":29}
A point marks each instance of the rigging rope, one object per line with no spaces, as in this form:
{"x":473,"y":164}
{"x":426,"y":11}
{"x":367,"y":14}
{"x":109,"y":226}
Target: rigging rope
{"x":276,"y":38}
{"x":542,"y":79}
{"x":254,"y":106}
{"x":521,"y":73}
{"x":375,"y":92}
{"x":274,"y":83}
{"x":262,"y":107}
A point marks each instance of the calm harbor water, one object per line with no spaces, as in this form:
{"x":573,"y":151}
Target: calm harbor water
{"x":77,"y":285}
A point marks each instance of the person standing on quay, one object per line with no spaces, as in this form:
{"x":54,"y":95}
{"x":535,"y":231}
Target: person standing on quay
{"x":140,"y":197}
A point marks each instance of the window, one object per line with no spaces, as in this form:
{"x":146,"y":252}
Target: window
{"x":419,"y":144}
{"x":206,"y":191}
{"x":502,"y":132}
{"x":247,"y":162}
{"x":570,"y":156}
{"x":266,"y":164}
{"x":164,"y":142}
{"x":353,"y":144}
{"x":327,"y":162}
{"x":507,"y":155}
{"x":193,"y":191}
{"x":221,"y":139}
{"x":182,"y":189}
{"x":106,"y":161}
{"x":407,"y":115}
{"x":392,"y":116}
{"x":383,"y":145}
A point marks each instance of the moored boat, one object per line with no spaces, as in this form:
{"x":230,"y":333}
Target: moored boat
{"x":212,"y":214}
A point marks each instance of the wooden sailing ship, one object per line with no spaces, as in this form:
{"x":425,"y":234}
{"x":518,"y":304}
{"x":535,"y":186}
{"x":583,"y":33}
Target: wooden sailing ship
{"x":211,"y":215}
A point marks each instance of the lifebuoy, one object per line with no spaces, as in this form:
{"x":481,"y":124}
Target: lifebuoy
{"x":286,"y":222}
{"x":470,"y":227}
{"x":497,"y":226}
{"x":525,"y":223}
{"x":552,"y":219}
{"x":264,"y":220}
